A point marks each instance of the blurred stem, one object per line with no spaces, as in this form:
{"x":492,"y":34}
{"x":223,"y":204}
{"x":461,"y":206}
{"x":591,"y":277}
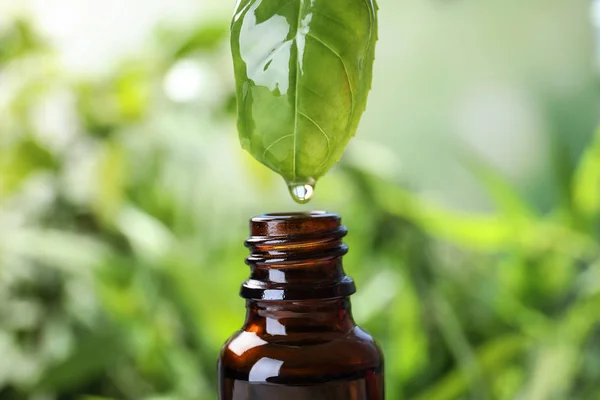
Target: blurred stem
{"x":459,"y":345}
{"x":564,"y":172}
{"x":128,"y":382}
{"x":493,"y":356}
{"x":586,"y":196}
{"x":559,"y":355}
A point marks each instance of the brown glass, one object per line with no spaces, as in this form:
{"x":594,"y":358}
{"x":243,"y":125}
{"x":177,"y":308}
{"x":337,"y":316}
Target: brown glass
{"x":299,"y":340}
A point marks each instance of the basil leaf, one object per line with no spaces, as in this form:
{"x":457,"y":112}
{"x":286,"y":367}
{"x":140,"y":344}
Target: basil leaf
{"x":303,"y":71}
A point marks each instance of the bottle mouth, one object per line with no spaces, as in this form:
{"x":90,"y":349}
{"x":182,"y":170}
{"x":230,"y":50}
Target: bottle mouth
{"x":294,"y":223}
{"x":296,"y":255}
{"x":292,"y":214}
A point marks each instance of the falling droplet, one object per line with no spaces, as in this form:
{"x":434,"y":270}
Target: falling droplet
{"x":302,"y":192}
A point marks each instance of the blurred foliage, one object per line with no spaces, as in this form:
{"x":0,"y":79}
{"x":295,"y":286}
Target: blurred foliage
{"x":121,"y":246}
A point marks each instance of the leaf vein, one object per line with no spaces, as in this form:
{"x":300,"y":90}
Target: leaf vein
{"x":274,"y":143}
{"x":327,"y":46}
{"x":320,"y":130}
{"x":337,"y":21}
{"x":312,"y":90}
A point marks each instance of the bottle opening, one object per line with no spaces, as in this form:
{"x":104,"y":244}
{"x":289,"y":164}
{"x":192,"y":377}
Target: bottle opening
{"x":293,"y":214}
{"x":295,"y":223}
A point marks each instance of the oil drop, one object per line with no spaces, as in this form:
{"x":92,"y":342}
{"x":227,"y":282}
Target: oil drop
{"x":302,"y":192}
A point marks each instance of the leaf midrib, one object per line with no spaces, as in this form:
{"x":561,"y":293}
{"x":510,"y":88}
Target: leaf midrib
{"x":297,"y":87}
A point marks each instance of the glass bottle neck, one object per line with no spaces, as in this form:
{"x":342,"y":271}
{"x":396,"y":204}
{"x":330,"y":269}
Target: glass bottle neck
{"x":296,"y":257}
{"x":310,"y":317}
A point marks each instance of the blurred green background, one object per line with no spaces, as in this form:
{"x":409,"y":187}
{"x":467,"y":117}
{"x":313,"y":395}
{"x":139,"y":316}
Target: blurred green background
{"x":472,"y":196}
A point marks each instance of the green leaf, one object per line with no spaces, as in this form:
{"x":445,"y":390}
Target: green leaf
{"x":303,"y":72}
{"x":586,"y":183}
{"x":19,"y":39}
{"x":205,"y":38}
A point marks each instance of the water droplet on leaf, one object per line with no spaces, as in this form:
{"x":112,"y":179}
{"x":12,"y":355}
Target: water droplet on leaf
{"x":302,"y":192}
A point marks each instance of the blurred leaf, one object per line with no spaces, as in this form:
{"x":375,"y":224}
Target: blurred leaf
{"x":474,"y":231}
{"x":148,"y":236}
{"x":117,"y":101}
{"x":492,"y":357}
{"x":94,"y":353}
{"x":207,"y":37}
{"x":586,"y":183}
{"x":20,"y":160}
{"x":376,"y":295}
{"x":557,"y":359}
{"x":552,"y":372}
{"x":564,"y":169}
{"x":73,"y":253}
{"x":509,"y":202}
{"x":455,"y":337}
{"x":407,"y":336}
{"x":17,"y":40}
{"x":111,"y":183}
{"x":95,"y":398}
{"x":132,"y":91}
{"x":485,"y":232}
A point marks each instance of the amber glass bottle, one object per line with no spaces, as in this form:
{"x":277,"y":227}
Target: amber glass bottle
{"x":299,"y":341}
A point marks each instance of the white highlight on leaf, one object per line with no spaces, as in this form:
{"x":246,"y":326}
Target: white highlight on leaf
{"x":303,"y":30}
{"x":266,"y":51}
